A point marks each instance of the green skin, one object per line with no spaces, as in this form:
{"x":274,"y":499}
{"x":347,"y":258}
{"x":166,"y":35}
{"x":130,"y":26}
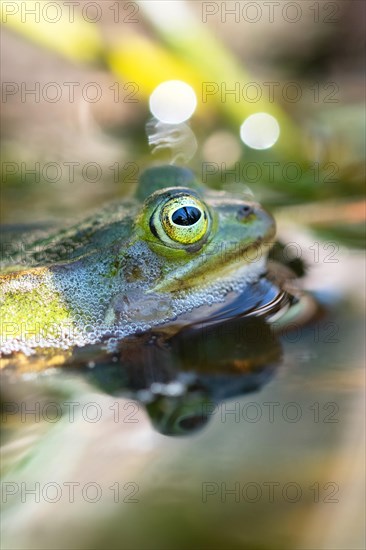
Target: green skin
{"x":125,"y":269}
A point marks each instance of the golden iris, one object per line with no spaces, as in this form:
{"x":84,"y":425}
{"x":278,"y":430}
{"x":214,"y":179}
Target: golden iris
{"x":184,"y":219}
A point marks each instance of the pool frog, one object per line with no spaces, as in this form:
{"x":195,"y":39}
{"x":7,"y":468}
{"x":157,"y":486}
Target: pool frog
{"x":172,"y":249}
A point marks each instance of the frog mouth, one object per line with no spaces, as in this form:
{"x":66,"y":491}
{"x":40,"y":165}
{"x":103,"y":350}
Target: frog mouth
{"x":236,"y":263}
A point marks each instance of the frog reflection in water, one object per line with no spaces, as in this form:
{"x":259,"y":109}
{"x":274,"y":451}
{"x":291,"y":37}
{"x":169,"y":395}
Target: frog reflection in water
{"x":154,"y":294}
{"x":182,"y":379}
{"x":173,"y":251}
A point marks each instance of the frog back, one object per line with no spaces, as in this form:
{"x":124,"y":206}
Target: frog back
{"x":23,"y":249}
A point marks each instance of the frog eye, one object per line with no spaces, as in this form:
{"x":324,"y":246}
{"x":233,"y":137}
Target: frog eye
{"x":183,"y":219}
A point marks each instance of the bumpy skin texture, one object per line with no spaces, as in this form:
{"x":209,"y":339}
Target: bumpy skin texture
{"x":131,"y":267}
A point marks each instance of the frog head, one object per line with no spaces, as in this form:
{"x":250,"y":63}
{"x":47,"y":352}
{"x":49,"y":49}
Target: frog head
{"x":198,"y":235}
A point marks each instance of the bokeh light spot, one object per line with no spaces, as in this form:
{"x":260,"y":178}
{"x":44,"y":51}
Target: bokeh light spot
{"x":173,"y":102}
{"x":260,"y":131}
{"x":222,"y":147}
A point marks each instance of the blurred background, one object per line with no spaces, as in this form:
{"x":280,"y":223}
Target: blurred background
{"x":78,"y":82}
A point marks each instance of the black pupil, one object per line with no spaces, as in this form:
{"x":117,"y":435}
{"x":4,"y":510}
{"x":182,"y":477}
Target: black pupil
{"x":187,"y":215}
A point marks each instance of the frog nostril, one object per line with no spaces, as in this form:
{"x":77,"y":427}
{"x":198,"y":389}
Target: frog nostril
{"x":244,"y":212}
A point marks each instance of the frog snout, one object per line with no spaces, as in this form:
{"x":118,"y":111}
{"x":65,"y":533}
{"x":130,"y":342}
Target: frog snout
{"x":252,"y":212}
